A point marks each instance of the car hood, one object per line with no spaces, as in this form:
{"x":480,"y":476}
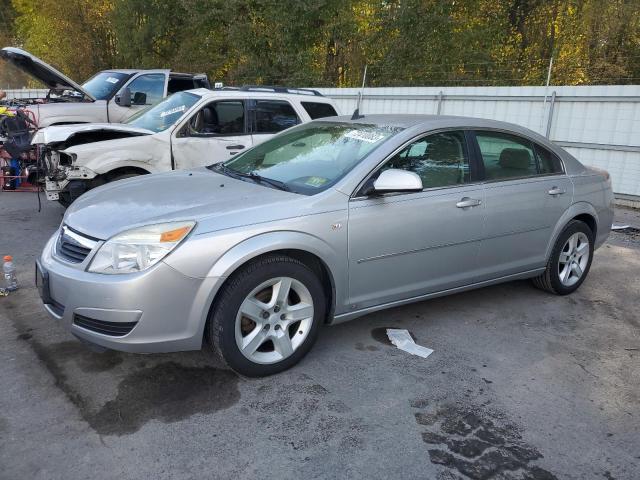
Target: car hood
{"x":65,"y":133}
{"x":40,"y":70}
{"x":197,"y":195}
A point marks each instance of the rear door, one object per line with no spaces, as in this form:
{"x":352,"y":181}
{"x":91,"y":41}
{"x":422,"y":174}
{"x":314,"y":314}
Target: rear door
{"x":526,"y":192}
{"x":403,"y":245}
{"x":213,"y":134}
{"x":269,"y":116}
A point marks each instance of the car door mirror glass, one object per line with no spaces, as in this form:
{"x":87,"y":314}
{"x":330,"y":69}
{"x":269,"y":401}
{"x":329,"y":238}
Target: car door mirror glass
{"x":395,"y":180}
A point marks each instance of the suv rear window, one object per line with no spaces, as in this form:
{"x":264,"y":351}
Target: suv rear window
{"x":319,"y":110}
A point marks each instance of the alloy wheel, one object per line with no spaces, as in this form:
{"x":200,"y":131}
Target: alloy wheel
{"x":273,"y":320}
{"x":574,"y":258}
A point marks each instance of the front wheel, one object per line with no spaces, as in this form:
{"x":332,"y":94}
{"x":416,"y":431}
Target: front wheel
{"x":570,"y":260}
{"x":267,"y":316}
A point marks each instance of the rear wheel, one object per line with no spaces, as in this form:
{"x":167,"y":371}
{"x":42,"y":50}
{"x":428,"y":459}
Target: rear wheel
{"x":267,"y":316}
{"x":570,"y":260}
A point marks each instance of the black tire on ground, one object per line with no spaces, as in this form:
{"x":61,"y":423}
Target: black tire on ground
{"x":549,"y":280}
{"x":220,"y":329}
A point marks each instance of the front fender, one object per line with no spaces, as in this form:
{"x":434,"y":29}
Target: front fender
{"x":269,"y":242}
{"x":107,"y":161}
{"x":231,"y":253}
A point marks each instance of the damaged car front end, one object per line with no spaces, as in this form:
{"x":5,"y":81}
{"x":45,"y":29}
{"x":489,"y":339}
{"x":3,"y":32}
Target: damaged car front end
{"x":77,"y":158}
{"x":70,"y":169}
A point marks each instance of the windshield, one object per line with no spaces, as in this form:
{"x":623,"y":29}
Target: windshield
{"x":310,"y":158}
{"x":166,"y":113}
{"x":104,"y":85}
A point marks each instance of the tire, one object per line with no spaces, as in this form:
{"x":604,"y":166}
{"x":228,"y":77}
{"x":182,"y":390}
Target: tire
{"x":288,"y":332}
{"x":556,"y":278}
{"x":122,"y":176}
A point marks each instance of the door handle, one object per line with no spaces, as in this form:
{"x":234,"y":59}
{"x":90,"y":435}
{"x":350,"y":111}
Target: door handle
{"x":235,"y":147}
{"x":555,"y":191}
{"x":468,"y":202}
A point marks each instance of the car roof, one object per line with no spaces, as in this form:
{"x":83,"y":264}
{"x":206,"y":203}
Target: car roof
{"x":204,"y":92}
{"x":432,"y":122}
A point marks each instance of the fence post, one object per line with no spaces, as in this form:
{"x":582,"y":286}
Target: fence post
{"x":440,"y":100}
{"x":550,"y":117}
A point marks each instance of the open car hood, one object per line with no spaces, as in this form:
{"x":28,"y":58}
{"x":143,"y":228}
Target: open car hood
{"x":85,"y":133}
{"x":40,"y":70}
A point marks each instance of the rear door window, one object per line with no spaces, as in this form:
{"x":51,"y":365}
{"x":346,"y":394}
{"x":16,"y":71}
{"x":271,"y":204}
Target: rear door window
{"x":506,"y":156}
{"x":273,"y":116}
{"x":319,"y":110}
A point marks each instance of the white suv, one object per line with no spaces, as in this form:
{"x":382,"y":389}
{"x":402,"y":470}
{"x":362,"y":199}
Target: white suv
{"x":188,"y":129}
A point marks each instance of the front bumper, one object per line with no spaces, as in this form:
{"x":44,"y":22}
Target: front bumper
{"x":166,"y":309}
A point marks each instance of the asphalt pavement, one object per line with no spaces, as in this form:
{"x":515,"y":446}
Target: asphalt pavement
{"x":521,"y":385}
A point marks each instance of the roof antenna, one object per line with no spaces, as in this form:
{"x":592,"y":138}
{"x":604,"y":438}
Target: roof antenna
{"x":356,"y":113}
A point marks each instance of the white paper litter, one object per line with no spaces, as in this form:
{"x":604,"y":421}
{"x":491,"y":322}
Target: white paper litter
{"x":619,"y":227}
{"x":403,"y":340}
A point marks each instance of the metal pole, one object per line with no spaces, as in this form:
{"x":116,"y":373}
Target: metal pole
{"x":550,"y":117}
{"x":546,"y":88}
{"x":440,"y":100}
{"x":361,"y":93}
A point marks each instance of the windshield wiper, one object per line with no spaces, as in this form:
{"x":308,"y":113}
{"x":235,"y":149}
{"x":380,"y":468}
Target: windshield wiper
{"x":251,"y":175}
{"x":269,"y":181}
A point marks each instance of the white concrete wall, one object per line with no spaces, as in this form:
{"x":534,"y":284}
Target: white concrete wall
{"x":599,"y":125}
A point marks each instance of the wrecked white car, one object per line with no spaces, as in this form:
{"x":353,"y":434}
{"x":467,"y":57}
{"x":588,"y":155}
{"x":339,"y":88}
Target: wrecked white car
{"x":110,"y":96}
{"x":188,"y":129}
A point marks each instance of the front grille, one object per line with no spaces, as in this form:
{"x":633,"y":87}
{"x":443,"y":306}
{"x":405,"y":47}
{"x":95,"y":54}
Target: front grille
{"x":113,"y":329}
{"x":73,"y":253}
{"x":74,"y":247}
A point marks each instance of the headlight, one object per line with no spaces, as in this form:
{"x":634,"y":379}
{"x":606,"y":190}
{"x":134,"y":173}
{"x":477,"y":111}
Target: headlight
{"x":138,"y":249}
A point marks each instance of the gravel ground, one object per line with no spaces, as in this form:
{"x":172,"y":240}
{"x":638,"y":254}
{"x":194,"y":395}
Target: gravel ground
{"x":522,"y":385}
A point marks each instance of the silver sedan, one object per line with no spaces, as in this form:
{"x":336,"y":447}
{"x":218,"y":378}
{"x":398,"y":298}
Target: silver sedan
{"x":324,"y":223}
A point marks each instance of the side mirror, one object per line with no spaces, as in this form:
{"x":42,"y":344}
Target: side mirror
{"x":395,"y":180}
{"x":124,"y":97}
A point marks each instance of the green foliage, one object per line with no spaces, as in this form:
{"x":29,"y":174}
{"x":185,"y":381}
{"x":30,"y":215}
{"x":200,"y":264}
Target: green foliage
{"x":328,"y":42}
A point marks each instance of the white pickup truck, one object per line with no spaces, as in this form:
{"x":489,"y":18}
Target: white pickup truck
{"x":110,"y":96}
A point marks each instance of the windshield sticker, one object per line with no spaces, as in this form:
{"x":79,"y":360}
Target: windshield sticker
{"x":112,"y":80}
{"x":363,"y":136}
{"x":181,"y":108}
{"x":315,"y":181}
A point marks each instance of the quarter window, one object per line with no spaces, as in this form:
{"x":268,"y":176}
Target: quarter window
{"x":272,"y":116}
{"x":506,"y":156}
{"x":441,"y":160}
{"x":319,"y":110}
{"x":547,"y":161}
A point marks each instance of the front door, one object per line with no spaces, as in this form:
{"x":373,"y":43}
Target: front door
{"x":146,"y":89}
{"x":409,"y":244}
{"x":526,"y":194}
{"x":213,"y":134}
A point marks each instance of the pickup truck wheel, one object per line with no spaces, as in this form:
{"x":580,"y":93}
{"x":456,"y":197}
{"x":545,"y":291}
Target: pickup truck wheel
{"x":570,"y":260}
{"x":267,"y":316}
